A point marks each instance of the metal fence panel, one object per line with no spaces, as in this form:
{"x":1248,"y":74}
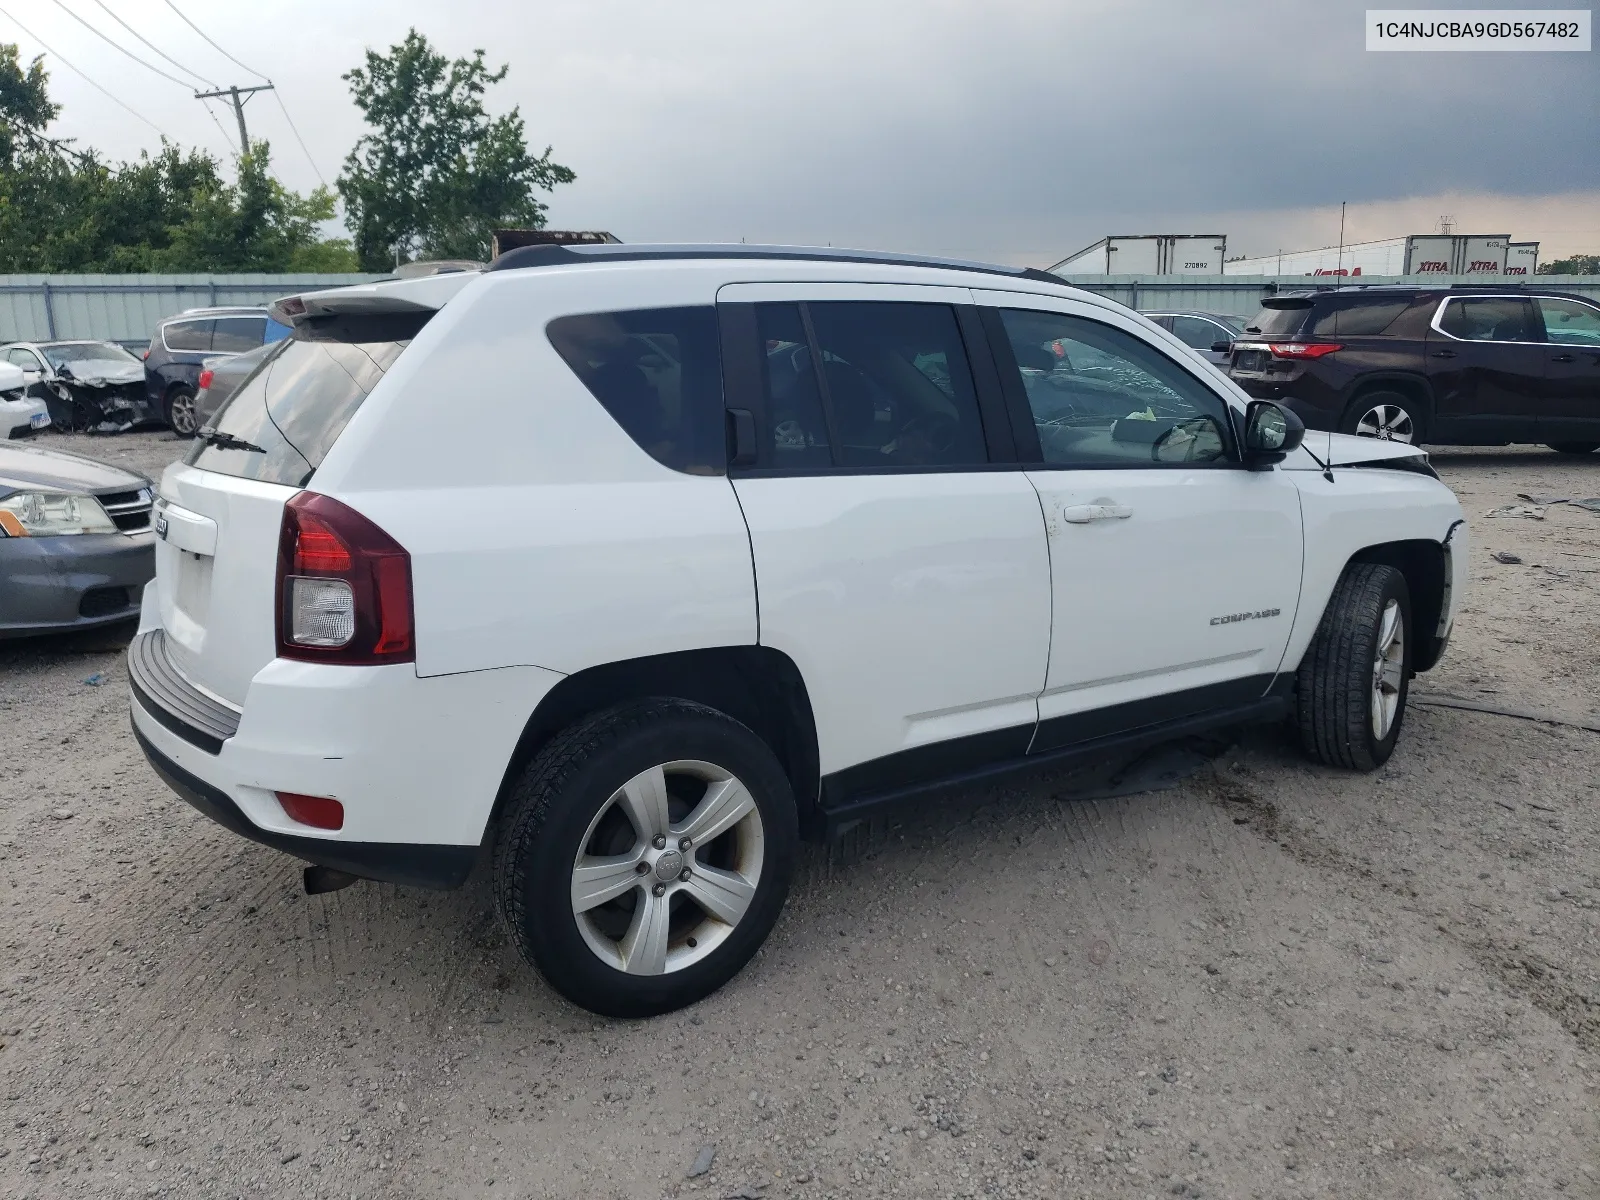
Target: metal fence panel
{"x":128,"y":307}
{"x":1241,"y":295}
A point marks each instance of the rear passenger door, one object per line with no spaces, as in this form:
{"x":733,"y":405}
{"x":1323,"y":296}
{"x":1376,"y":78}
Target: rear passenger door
{"x":1487,"y":370}
{"x":900,"y":554}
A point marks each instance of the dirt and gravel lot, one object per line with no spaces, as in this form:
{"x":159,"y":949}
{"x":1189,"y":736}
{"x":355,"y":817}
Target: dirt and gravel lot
{"x":1270,"y":980}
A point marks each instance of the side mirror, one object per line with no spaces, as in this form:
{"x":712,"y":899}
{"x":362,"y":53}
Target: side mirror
{"x":1270,"y":433}
{"x":1221,"y":347}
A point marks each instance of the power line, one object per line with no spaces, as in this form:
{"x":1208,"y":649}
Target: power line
{"x":210,"y":112}
{"x":153,"y":46}
{"x":84,"y":74}
{"x":210,"y":43}
{"x":298,"y":138}
{"x":108,"y":41}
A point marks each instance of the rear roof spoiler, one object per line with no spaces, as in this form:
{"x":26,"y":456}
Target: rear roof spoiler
{"x":426,"y":294}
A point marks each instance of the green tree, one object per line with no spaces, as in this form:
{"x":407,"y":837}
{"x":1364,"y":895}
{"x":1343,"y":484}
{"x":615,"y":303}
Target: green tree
{"x":1578,"y":264}
{"x":66,"y":210}
{"x":436,"y":173}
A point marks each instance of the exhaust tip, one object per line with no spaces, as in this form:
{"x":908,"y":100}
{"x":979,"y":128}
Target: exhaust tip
{"x":319,"y":879}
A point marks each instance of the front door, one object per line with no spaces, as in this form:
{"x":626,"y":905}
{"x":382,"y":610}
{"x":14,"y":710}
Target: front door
{"x":1176,"y":572}
{"x":1487,"y":371}
{"x":1571,"y":370}
{"x":900,"y":558}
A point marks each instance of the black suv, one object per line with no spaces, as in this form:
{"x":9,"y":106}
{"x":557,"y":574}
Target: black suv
{"x":1466,"y":366}
{"x":181,"y":344}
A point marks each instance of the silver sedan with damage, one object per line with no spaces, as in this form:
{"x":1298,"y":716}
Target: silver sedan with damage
{"x":76,"y":545}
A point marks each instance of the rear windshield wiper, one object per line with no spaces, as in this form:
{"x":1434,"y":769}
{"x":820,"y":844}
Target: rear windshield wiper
{"x":226,"y":441}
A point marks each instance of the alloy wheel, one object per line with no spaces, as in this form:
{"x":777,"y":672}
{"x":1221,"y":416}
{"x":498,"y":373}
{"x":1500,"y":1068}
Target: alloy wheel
{"x":181,"y":415}
{"x":1388,"y":670}
{"x":667,"y":867}
{"x":1388,"y":422}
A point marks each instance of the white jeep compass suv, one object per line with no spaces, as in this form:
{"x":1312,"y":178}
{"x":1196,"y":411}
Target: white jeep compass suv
{"x":634,"y":565}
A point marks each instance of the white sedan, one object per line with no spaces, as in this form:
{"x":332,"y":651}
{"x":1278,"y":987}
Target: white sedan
{"x":20,"y":413}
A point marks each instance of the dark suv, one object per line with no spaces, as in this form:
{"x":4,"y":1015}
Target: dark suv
{"x":1478,"y":366}
{"x":182,"y":343}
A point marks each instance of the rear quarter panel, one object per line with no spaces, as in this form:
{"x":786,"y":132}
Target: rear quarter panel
{"x":540,"y":533}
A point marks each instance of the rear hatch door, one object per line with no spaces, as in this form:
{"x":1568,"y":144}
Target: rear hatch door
{"x":220,"y":510}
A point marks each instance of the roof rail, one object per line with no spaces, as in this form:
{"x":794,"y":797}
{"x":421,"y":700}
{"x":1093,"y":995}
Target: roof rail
{"x":1485,"y":287}
{"x":559,"y":256}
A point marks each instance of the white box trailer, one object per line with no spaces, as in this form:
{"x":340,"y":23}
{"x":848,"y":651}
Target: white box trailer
{"x":1522,"y":258}
{"x":1149,"y":254}
{"x":1418,"y":254}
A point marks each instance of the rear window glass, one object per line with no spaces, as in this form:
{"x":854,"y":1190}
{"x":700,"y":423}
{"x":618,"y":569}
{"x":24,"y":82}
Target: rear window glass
{"x":658,"y":372}
{"x":234,"y":335}
{"x":281,"y":423}
{"x":1359,"y":318}
{"x":1277,"y":322}
{"x":188,"y":335}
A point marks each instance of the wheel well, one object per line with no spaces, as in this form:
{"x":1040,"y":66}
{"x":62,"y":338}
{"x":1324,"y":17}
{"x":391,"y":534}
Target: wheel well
{"x":1414,"y":389}
{"x":1423,"y":564}
{"x":757,"y":686}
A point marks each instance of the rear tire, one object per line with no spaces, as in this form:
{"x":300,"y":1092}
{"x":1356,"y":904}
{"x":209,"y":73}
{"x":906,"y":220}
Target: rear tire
{"x":1386,"y":415}
{"x":1351,"y":688}
{"x":180,"y":412}
{"x":1574,"y":447}
{"x":591,"y":874}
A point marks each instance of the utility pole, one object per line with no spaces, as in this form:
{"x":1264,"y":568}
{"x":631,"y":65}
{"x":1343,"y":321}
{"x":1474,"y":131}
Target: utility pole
{"x":237,"y":97}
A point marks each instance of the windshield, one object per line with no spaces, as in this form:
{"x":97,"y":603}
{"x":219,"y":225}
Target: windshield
{"x":283,"y":420}
{"x":86,"y":352}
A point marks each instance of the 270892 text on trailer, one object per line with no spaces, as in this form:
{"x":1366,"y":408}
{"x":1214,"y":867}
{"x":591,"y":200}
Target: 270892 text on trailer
{"x":765,"y":538}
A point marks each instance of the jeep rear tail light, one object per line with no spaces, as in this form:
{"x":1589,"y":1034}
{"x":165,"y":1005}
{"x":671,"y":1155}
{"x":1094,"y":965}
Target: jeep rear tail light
{"x":206,"y":377}
{"x":1303,"y":349}
{"x":344,"y":587}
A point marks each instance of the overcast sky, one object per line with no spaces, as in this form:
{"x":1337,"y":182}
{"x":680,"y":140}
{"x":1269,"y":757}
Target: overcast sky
{"x":1017,"y":130}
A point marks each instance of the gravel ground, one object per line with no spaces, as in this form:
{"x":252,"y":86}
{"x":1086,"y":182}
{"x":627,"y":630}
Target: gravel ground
{"x":1270,"y":980}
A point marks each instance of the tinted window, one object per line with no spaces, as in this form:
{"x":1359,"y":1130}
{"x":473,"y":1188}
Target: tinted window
{"x":897,"y":385}
{"x":1358,"y":318}
{"x":797,"y":432}
{"x":1488,"y":319}
{"x":658,"y":372}
{"x":1569,"y":323}
{"x":1102,"y":397}
{"x":188,"y":335}
{"x":234,"y":335}
{"x":1198,"y":332}
{"x":1277,"y":322}
{"x":296,"y":406}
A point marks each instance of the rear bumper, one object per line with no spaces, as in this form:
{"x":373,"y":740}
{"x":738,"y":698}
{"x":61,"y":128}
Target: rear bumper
{"x":58,"y":584}
{"x":417,"y":763}
{"x":438,"y":867}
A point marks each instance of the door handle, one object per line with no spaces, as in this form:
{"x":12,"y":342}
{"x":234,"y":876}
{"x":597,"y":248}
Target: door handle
{"x":1562,"y":358}
{"x":1082,"y":514}
{"x":1444,"y":353}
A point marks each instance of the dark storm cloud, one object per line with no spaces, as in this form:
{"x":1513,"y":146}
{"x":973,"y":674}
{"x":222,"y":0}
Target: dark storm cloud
{"x":980,"y":127}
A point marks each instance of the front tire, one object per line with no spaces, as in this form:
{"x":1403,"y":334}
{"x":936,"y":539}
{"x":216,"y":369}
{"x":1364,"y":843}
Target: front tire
{"x":1351,"y":688}
{"x":1574,"y":447}
{"x":1387,"y":416}
{"x":180,"y":414}
{"x":645,"y":855}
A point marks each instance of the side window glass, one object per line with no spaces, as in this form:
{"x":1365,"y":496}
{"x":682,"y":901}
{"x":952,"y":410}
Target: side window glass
{"x":1488,"y":319}
{"x":1568,"y":323}
{"x":22,"y":358}
{"x":188,"y":335}
{"x":234,"y":335}
{"x":897,"y":383}
{"x":1359,"y":318}
{"x":658,"y":372}
{"x":1102,"y":397}
{"x":797,"y":432}
{"x":1197,"y":332}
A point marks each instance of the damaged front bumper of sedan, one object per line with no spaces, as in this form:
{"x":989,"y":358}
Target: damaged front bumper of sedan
{"x":97,"y":403}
